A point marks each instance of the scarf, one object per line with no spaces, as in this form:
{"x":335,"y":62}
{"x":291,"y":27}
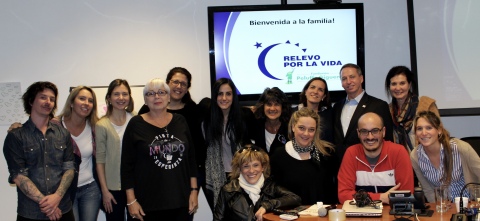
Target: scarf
{"x":253,"y":190}
{"x":403,"y":120}
{"x":314,"y":152}
{"x":215,"y":172}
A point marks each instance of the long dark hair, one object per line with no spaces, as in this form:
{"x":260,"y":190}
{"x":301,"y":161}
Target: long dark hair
{"x":234,"y":128}
{"x":186,"y":98}
{"x":323,"y":103}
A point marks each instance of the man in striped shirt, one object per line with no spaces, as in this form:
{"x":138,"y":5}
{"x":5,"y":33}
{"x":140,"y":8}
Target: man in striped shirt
{"x":374,"y":165}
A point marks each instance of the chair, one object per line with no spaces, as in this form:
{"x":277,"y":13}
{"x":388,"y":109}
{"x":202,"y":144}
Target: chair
{"x":474,"y":142}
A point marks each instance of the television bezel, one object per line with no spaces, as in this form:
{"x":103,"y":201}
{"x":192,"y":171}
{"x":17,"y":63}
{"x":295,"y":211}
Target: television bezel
{"x":251,"y":99}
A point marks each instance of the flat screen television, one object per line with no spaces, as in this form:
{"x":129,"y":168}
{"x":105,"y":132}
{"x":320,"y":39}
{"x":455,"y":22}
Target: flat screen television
{"x":284,"y":46}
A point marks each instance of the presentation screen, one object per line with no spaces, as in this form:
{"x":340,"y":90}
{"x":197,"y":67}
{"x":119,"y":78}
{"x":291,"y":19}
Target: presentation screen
{"x":284,"y":46}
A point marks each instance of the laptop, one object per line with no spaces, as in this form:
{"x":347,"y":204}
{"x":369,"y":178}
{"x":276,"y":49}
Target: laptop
{"x":353,"y":210}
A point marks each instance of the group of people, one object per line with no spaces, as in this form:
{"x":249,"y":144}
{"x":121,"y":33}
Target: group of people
{"x":248,"y":161}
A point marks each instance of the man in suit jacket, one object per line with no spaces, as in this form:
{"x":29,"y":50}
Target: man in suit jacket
{"x":348,"y":110}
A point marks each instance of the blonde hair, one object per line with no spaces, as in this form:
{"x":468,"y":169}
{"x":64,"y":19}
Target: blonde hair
{"x":67,"y":109}
{"x":444,"y":139}
{"x":247,"y":154}
{"x":321,"y":145}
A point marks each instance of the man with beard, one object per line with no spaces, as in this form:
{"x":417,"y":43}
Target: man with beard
{"x":375,"y":165}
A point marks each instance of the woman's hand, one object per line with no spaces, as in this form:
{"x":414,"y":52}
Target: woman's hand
{"x":193,"y":202}
{"x":259,"y":213}
{"x":107,"y":201}
{"x":14,"y":125}
{"x":136,"y":211}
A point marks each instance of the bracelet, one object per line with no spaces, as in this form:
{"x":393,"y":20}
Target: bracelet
{"x":129,"y":204}
{"x":194,"y":189}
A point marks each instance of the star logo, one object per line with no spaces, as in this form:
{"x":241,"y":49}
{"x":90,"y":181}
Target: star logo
{"x":258,"y":45}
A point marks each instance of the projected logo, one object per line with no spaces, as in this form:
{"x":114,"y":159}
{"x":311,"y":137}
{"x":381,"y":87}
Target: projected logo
{"x":285,"y":59}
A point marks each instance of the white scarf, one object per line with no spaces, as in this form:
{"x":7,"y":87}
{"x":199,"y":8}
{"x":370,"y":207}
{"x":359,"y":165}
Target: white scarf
{"x":253,"y":190}
{"x":291,"y":151}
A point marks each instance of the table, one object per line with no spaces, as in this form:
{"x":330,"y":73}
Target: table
{"x":385,"y":216}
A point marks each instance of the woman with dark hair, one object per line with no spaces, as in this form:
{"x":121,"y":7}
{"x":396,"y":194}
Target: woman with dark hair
{"x":79,"y":116}
{"x":272,"y":113}
{"x":440,"y":159}
{"x":315,"y":96}
{"x":109,"y":133}
{"x":225,"y":132}
{"x":251,"y":193}
{"x":399,"y":85}
{"x":158,"y":169}
{"x":306,"y":165}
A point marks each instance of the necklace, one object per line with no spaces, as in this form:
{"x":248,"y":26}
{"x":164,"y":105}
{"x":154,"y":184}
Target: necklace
{"x":272,"y":128}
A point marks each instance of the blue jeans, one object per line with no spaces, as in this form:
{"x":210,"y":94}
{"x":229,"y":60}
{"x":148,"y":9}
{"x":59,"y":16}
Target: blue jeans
{"x":87,"y":202}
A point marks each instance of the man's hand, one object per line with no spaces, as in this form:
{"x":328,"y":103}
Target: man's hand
{"x":56,"y":214}
{"x":49,"y":203}
{"x":384,"y":196}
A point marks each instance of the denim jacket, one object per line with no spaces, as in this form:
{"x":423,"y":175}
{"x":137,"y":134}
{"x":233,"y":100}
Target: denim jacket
{"x":43,"y":159}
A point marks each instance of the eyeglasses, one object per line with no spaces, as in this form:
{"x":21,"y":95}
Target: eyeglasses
{"x":249,"y":148}
{"x":160,"y":93}
{"x":365,"y":132}
{"x":181,"y":83}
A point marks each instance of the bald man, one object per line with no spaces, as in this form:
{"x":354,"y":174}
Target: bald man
{"x":374,"y":165}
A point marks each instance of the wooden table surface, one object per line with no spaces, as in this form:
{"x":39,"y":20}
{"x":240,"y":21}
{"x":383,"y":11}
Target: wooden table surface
{"x":385,"y":216}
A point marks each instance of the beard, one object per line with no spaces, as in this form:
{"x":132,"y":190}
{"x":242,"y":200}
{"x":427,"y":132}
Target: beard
{"x":366,"y":141}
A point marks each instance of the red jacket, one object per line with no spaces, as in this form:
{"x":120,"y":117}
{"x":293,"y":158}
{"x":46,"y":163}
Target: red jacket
{"x":393,"y":167}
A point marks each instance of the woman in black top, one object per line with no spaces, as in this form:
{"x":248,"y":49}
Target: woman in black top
{"x":272,"y":113}
{"x":179,"y":80}
{"x":315,"y":96}
{"x":251,"y":193}
{"x":158,"y":169}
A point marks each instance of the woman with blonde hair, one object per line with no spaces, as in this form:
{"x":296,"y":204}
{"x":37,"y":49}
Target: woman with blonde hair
{"x":79,"y":116}
{"x":250,"y":192}
{"x":306,"y":164}
{"x":442,"y":160}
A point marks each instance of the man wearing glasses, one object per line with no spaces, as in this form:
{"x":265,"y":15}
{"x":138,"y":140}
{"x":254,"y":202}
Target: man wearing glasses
{"x":374,"y":165}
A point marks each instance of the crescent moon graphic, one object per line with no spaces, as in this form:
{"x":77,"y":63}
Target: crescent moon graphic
{"x":261,"y":62}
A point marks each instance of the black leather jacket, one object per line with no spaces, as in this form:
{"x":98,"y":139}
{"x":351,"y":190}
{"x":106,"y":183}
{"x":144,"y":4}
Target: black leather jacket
{"x":234,"y":204}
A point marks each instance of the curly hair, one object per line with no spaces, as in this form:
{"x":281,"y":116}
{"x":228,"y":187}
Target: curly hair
{"x":273,"y":95}
{"x":29,"y":96}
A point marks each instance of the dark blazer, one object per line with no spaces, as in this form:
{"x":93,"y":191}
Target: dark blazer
{"x":257,"y":133}
{"x":367,"y":104}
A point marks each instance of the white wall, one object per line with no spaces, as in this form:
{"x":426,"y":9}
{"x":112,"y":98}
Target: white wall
{"x":93,"y":42}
